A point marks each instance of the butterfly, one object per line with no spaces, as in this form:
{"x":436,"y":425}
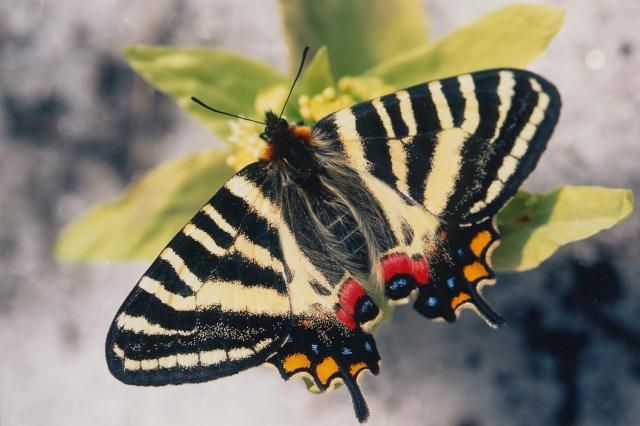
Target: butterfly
{"x":290,"y":263}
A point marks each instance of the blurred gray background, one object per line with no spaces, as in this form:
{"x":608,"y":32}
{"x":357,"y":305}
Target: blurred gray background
{"x":77,"y":125}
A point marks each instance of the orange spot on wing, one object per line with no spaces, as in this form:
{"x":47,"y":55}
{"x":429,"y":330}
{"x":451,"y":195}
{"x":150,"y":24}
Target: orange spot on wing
{"x":480,"y":242}
{"x":326,"y":369}
{"x":475,"y":271}
{"x":459,"y":300}
{"x":356,"y":368}
{"x":296,"y":362}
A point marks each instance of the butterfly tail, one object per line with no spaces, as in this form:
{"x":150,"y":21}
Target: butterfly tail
{"x":458,"y":272}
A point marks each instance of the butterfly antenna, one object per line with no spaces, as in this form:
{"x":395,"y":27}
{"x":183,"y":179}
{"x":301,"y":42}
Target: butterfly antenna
{"x":202,"y":104}
{"x":304,"y":56}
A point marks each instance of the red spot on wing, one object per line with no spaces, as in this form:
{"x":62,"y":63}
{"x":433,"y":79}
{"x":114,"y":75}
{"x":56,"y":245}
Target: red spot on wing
{"x":398,"y":264}
{"x":349,"y":294}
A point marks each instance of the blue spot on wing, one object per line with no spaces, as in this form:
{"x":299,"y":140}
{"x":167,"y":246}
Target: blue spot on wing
{"x":451,"y":282}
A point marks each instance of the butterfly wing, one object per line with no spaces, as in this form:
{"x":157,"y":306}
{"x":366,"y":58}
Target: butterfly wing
{"x":460,"y":148}
{"x":327,"y":342}
{"x":213,"y":303}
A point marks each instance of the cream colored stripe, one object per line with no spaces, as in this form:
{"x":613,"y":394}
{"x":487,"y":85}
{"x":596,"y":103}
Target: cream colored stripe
{"x":301,"y":295}
{"x":257,"y":254}
{"x":505,"y":94}
{"x":181,"y":269}
{"x":406,"y":111}
{"x":203,"y":238}
{"x":510,"y":162}
{"x":471,"y":109}
{"x":507,"y":168}
{"x":298,"y":262}
{"x":219,"y":220}
{"x":262,"y":344}
{"x":384,"y":117}
{"x":238,"y":354}
{"x":188,"y":360}
{"x":118,"y":351}
{"x":131,"y":365}
{"x":212,"y":357}
{"x":168,"y":361}
{"x":175,"y":301}
{"x":543,"y":103}
{"x":395,"y":146}
{"x":398,"y":156}
{"x":149,"y":364}
{"x":233,"y":296}
{"x":441,"y":104}
{"x":345,"y":121}
{"x":142,"y":325}
{"x":445,"y":167}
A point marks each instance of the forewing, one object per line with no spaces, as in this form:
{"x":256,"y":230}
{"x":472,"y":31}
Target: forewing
{"x":461,"y":146}
{"x":215,"y":300}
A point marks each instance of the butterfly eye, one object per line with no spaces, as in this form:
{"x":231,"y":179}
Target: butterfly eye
{"x":282,"y":122}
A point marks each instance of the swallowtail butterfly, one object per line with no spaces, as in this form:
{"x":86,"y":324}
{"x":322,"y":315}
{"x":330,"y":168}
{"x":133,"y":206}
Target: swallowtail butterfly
{"x":289,"y":263}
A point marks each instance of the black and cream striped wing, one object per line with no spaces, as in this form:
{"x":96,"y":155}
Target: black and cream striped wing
{"x":213,"y":303}
{"x":460,"y":146}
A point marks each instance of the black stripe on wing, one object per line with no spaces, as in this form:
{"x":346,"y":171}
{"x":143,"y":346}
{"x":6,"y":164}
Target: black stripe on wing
{"x":213,"y":303}
{"x":503,"y":163}
{"x":499,"y":119}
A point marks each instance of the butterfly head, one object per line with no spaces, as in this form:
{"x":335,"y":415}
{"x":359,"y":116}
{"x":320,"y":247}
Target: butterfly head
{"x":276,"y":127}
{"x":288,"y":148}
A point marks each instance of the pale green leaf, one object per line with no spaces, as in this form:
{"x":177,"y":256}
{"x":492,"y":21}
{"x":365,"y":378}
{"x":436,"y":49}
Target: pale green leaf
{"x":317,"y":76}
{"x":534,"y":226}
{"x":510,"y":37}
{"x":358,"y":33}
{"x":226,"y":81}
{"x":141,"y":222}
